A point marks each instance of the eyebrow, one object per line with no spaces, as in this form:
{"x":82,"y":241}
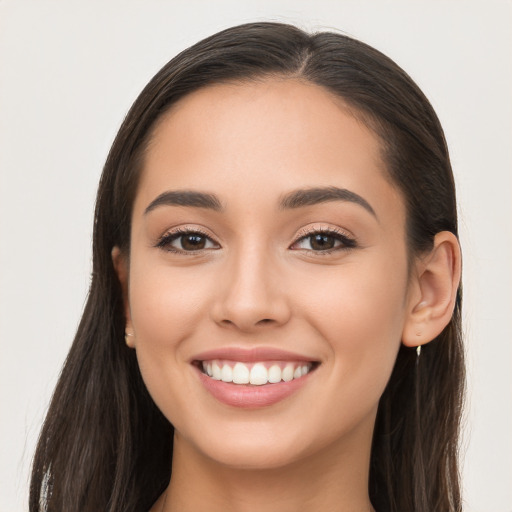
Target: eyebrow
{"x":317,"y":195}
{"x":295,"y":199}
{"x":186,"y":198}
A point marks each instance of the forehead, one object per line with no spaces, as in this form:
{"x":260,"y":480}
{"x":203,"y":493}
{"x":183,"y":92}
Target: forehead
{"x":261,"y":138}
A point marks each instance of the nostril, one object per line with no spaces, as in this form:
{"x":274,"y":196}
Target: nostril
{"x":264,"y":321}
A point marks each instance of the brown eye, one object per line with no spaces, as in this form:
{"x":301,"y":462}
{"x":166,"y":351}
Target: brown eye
{"x":188,"y":241}
{"x":192,"y":242}
{"x":321,"y":242}
{"x":324,"y":241}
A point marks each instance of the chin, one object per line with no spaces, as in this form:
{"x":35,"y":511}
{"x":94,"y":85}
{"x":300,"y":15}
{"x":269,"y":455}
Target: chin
{"x":249,"y":447}
{"x":254,"y":457}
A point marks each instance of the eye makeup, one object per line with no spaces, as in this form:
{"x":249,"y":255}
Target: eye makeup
{"x":324,"y":240}
{"x":321,"y":240}
{"x":190,"y":240}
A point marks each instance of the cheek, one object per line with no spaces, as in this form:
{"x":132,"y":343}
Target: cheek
{"x":366,"y":293}
{"x":166,"y":305}
{"x":360,"y":313}
{"x":165,"y":302}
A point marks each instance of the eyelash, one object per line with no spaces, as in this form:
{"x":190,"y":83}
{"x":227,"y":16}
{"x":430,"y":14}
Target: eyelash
{"x":339,"y":236}
{"x":168,"y":238}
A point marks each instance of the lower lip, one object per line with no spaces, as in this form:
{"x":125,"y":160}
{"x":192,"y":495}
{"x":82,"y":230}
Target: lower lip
{"x":249,"y":397}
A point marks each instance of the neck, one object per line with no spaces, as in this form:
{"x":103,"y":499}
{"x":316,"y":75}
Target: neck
{"x":335,"y":479}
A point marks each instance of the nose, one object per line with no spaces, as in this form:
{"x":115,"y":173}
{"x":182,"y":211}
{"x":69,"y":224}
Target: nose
{"x":251,"y":294}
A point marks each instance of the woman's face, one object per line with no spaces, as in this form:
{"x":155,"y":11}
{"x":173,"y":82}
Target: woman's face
{"x":266,"y":243}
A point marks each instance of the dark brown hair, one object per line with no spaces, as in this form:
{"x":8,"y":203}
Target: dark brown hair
{"x":104,"y":444}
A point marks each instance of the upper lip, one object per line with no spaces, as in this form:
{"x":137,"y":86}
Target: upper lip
{"x":251,"y":355}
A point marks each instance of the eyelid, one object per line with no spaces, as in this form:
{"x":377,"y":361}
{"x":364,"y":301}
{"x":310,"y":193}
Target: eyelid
{"x":348,"y":240}
{"x":174,"y":233}
{"x":323,"y":228}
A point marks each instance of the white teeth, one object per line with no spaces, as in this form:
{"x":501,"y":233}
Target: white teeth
{"x":274,"y":374}
{"x":227,"y":373}
{"x":240,"y":374}
{"x":216,"y":371}
{"x":288,"y":373}
{"x":259,"y":375}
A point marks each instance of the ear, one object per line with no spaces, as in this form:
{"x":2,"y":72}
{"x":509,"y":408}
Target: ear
{"x":434,"y":291}
{"x":121,"y":264}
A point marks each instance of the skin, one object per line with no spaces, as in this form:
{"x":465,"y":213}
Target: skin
{"x":258,"y":282}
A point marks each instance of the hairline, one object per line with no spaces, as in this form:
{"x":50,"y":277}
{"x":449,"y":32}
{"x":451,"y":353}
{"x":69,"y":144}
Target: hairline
{"x":359,"y":113}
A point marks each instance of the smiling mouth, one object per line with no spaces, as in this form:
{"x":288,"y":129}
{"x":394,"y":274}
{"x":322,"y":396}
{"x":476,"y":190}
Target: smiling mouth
{"x":255,"y":373}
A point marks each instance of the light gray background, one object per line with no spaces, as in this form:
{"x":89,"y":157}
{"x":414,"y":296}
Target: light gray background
{"x":68,"y":73}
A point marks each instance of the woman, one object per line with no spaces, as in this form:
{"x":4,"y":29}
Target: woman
{"x":275,"y":304}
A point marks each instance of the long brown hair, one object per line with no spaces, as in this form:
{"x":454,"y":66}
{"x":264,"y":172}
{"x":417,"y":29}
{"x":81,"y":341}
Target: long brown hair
{"x":104,"y":444}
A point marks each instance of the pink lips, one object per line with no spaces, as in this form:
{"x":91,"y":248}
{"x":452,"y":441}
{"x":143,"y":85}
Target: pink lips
{"x":250,"y":355}
{"x":249,"y":396}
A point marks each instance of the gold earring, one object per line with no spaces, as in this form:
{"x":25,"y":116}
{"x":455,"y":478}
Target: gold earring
{"x":126,"y":334}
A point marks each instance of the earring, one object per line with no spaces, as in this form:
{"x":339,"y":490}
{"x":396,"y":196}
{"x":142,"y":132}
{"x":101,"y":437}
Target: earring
{"x":418,"y":353}
{"x":126,"y":335}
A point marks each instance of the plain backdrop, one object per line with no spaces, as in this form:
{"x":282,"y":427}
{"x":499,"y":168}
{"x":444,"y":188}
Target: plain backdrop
{"x":68,"y":73}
